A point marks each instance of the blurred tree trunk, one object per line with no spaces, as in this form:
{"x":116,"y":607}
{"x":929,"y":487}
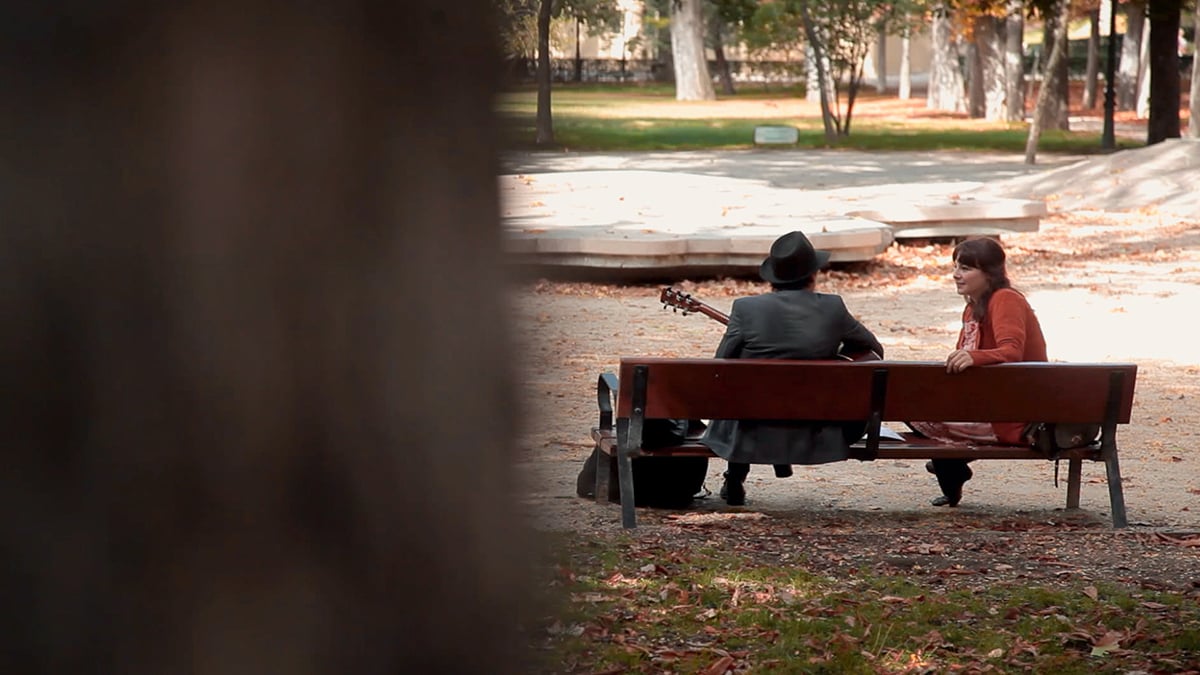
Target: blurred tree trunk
{"x":248,"y":422}
{"x":545,"y":119}
{"x":717,"y":32}
{"x":1055,"y":111}
{"x":692,"y":81}
{"x":825,"y":86}
{"x":988,"y":96}
{"x":1014,"y":61}
{"x":946,"y":88}
{"x":1091,"y":77}
{"x":577,"y":75}
{"x":1164,"y":70}
{"x":812,"y":75}
{"x":1143,"y":90}
{"x":1194,"y":96}
{"x":1130,"y":64}
{"x":974,"y":68}
{"x":905,"y":90}
{"x":881,"y":59}
{"x":1058,"y":53}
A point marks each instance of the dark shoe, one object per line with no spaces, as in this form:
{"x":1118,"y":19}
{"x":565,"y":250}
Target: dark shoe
{"x":783,"y":470}
{"x":952,"y":486}
{"x":929,"y":467}
{"x":733,"y":492}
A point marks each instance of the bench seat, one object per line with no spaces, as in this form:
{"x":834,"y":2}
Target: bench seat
{"x":875,"y":391}
{"x":913,"y":447}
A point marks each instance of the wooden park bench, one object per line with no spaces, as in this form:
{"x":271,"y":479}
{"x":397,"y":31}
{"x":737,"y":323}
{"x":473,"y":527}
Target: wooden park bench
{"x":871,"y":391}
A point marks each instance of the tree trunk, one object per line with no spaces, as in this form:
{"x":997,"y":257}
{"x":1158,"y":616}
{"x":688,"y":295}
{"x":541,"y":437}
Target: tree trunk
{"x":578,"y":76}
{"x":1014,"y":62}
{"x":244,"y":394}
{"x":1164,"y":71}
{"x":905,"y":91}
{"x":881,"y":59}
{"x":723,"y":73}
{"x":1058,"y":53}
{"x":1143,"y":80}
{"x":975,"y":97}
{"x":812,"y":75}
{"x":1108,"y":134}
{"x":989,"y":50}
{"x":946,"y":90}
{"x":692,"y":81}
{"x":1055,"y":112}
{"x":545,"y":122}
{"x":1129,"y":65}
{"x":1091,"y":77}
{"x":1194,"y":98}
{"x":824,"y":79}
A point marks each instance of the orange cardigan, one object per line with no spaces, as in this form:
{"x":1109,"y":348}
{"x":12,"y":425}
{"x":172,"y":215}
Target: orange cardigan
{"x":1009,"y":332}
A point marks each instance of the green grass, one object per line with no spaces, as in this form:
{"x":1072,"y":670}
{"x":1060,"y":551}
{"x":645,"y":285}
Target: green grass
{"x":583,"y":133}
{"x":695,"y":606}
{"x":580,"y":133}
{"x":613,"y":118}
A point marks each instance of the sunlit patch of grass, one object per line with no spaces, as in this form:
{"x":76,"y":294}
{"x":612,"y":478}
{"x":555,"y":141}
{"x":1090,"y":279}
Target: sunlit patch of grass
{"x":597,"y":134}
{"x":623,"y":605}
{"x":612,"y":118}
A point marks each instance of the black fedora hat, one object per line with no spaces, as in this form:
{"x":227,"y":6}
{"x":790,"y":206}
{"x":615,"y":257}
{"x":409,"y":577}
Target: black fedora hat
{"x":792,"y":259}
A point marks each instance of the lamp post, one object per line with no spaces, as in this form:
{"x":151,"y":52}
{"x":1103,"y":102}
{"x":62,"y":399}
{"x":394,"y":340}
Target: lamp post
{"x":578,"y":54}
{"x":1108,"y":139}
{"x":624,"y":39}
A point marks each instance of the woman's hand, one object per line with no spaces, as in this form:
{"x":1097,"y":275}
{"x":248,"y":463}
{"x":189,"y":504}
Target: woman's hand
{"x":958,"y":361}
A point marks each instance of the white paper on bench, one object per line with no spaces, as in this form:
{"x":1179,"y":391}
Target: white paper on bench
{"x":886,"y":434}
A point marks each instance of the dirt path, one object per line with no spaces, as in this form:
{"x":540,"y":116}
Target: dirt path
{"x":1112,"y":288}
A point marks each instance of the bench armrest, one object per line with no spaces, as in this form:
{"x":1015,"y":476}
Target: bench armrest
{"x":606,"y":394}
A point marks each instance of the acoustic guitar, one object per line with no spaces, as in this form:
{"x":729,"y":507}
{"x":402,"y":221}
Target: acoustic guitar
{"x":687,"y":304}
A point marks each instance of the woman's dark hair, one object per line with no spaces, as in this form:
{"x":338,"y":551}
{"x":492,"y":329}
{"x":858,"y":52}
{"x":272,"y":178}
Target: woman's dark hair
{"x":987,"y":256}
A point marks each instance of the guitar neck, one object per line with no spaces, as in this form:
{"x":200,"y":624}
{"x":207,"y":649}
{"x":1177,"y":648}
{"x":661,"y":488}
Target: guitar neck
{"x":671,"y":297}
{"x":711,"y":313}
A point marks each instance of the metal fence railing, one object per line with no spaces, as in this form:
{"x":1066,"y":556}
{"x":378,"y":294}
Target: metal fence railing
{"x":523,"y":71}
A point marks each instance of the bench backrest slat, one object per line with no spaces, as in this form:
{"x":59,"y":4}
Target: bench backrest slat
{"x":837,"y":390}
{"x":1043,"y":392}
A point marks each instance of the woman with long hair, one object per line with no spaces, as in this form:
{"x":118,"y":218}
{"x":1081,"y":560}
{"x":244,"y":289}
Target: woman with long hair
{"x":998,"y":326}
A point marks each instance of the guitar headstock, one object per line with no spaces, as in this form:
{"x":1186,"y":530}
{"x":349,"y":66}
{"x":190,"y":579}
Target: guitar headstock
{"x":677,"y":299}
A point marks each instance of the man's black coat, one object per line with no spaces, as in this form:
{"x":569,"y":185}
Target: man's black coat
{"x":787,"y":324}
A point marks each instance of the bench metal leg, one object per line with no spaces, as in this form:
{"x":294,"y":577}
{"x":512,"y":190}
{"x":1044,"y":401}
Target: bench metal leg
{"x":625,"y":471}
{"x":602,"y":474}
{"x":1074,"y":478}
{"x":1116,"y":496}
{"x":629,"y":440}
{"x":1108,"y":449}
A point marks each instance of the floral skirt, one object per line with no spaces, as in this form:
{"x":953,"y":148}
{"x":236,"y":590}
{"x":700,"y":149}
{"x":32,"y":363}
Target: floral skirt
{"x":956,"y":432}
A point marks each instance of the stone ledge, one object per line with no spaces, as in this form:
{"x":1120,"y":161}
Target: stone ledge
{"x":847,"y":238}
{"x":649,"y":221}
{"x":957,"y":217}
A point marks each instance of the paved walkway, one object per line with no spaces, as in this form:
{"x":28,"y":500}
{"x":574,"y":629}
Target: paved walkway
{"x":663,"y":213}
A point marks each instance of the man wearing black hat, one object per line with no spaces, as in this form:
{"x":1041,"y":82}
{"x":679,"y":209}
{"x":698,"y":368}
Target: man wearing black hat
{"x":791,"y":322}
